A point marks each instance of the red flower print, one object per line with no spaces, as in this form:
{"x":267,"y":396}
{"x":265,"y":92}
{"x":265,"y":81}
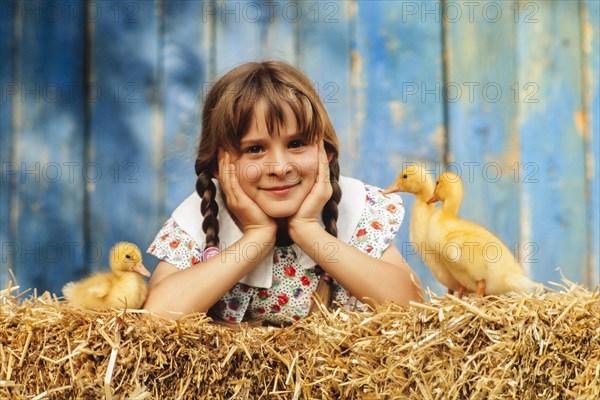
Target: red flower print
{"x":361,"y":232}
{"x":263,"y":294}
{"x":305,"y":280}
{"x":195,"y":260}
{"x":275,"y":308}
{"x":152,"y":249}
{"x":289,"y":270}
{"x":376,"y":225}
{"x":190,"y":245}
{"x":261,"y":310}
{"x":282,"y":299}
{"x":275,"y":258}
{"x":164,"y":237}
{"x":234,"y":305}
{"x":174,"y":244}
{"x":231,"y":318}
{"x":369,"y":248}
{"x":391,"y":208}
{"x":296,"y":317}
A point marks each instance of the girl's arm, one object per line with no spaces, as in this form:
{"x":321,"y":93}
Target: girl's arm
{"x":386,"y":279}
{"x":174,"y":293}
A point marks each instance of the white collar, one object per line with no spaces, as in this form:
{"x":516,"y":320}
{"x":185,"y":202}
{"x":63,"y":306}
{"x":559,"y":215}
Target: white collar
{"x":188,"y":217}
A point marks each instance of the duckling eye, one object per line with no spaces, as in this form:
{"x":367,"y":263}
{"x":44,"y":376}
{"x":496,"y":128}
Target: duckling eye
{"x":405,"y":176}
{"x":127,"y":256}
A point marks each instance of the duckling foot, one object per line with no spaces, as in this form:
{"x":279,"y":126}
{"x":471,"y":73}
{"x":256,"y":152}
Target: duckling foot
{"x":481,"y":287}
{"x":461,"y":292}
{"x":450,"y":292}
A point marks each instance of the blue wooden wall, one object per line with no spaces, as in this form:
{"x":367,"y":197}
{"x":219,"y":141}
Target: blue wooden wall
{"x":100,"y":115}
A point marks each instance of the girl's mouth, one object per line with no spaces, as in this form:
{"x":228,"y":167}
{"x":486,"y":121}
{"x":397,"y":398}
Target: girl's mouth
{"x":280,"y":190}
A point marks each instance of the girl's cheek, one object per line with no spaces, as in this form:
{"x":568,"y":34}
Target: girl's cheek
{"x":250,"y":172}
{"x":312,"y":162}
{"x":293,"y":172}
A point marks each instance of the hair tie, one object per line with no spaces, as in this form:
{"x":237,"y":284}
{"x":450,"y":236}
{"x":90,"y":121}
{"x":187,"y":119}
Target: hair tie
{"x":209,"y":252}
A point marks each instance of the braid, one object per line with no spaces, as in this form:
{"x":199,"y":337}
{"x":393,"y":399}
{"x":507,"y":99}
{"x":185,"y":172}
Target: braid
{"x":329,"y":215}
{"x":207,"y":190}
{"x":330,"y":211}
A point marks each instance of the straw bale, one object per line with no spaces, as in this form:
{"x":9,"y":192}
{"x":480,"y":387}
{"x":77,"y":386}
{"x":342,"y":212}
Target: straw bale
{"x":543,"y":345}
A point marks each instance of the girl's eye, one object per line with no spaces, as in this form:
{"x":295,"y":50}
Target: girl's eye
{"x":253,"y":149}
{"x":296,"y":143}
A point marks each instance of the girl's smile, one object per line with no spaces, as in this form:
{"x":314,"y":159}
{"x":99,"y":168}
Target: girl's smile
{"x":280,"y":190}
{"x":276,"y":169}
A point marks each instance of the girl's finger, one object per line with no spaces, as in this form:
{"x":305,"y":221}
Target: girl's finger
{"x":222,"y":166}
{"x":232,"y":178}
{"x":225,"y":176}
{"x":324,"y":164}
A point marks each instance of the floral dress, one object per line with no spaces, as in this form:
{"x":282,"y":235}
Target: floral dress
{"x":289,"y":297}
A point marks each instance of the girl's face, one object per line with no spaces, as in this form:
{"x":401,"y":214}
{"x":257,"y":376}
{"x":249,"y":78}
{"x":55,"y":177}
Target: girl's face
{"x":276,"y":171}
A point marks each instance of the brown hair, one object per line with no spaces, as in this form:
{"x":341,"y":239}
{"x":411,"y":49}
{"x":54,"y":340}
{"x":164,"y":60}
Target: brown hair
{"x":226,"y":115}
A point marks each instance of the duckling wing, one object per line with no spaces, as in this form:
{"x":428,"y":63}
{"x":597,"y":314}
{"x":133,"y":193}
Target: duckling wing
{"x":99,"y":285}
{"x":460,"y":250}
{"x":487,"y":257}
{"x":89,"y":292}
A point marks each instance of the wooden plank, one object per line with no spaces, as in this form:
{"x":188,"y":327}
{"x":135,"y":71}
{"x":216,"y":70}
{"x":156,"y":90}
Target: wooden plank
{"x":49,"y":146}
{"x":126,"y":127}
{"x":401,"y":62}
{"x":8,"y":172}
{"x":552,"y":141}
{"x":185,"y":57}
{"x":397,"y":65}
{"x":253,"y":31}
{"x":590,"y":25}
{"x":324,"y":46}
{"x":483,"y":141}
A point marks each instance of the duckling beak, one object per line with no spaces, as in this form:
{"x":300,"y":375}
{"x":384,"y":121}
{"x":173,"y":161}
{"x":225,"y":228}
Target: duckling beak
{"x":140,"y":269}
{"x":392,"y":189}
{"x":433,"y":199}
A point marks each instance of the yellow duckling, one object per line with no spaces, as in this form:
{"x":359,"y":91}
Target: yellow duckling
{"x":123,"y":287}
{"x":414,"y":179}
{"x":475,"y":257}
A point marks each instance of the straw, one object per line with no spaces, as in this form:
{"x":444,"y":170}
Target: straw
{"x":545,"y":344}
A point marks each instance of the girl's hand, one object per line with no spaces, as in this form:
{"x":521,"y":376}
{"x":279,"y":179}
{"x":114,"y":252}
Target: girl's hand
{"x":247,"y":213}
{"x":313,"y":204}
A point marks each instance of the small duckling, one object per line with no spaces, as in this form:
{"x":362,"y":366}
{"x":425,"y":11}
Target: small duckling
{"x":475,"y":257}
{"x":123,"y":287}
{"x":414,"y":179}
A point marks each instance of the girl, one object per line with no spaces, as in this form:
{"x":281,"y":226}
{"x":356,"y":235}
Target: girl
{"x":272,"y":221}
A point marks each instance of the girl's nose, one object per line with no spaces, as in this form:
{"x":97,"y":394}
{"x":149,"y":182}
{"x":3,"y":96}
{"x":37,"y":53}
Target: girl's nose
{"x":278,"y":164}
